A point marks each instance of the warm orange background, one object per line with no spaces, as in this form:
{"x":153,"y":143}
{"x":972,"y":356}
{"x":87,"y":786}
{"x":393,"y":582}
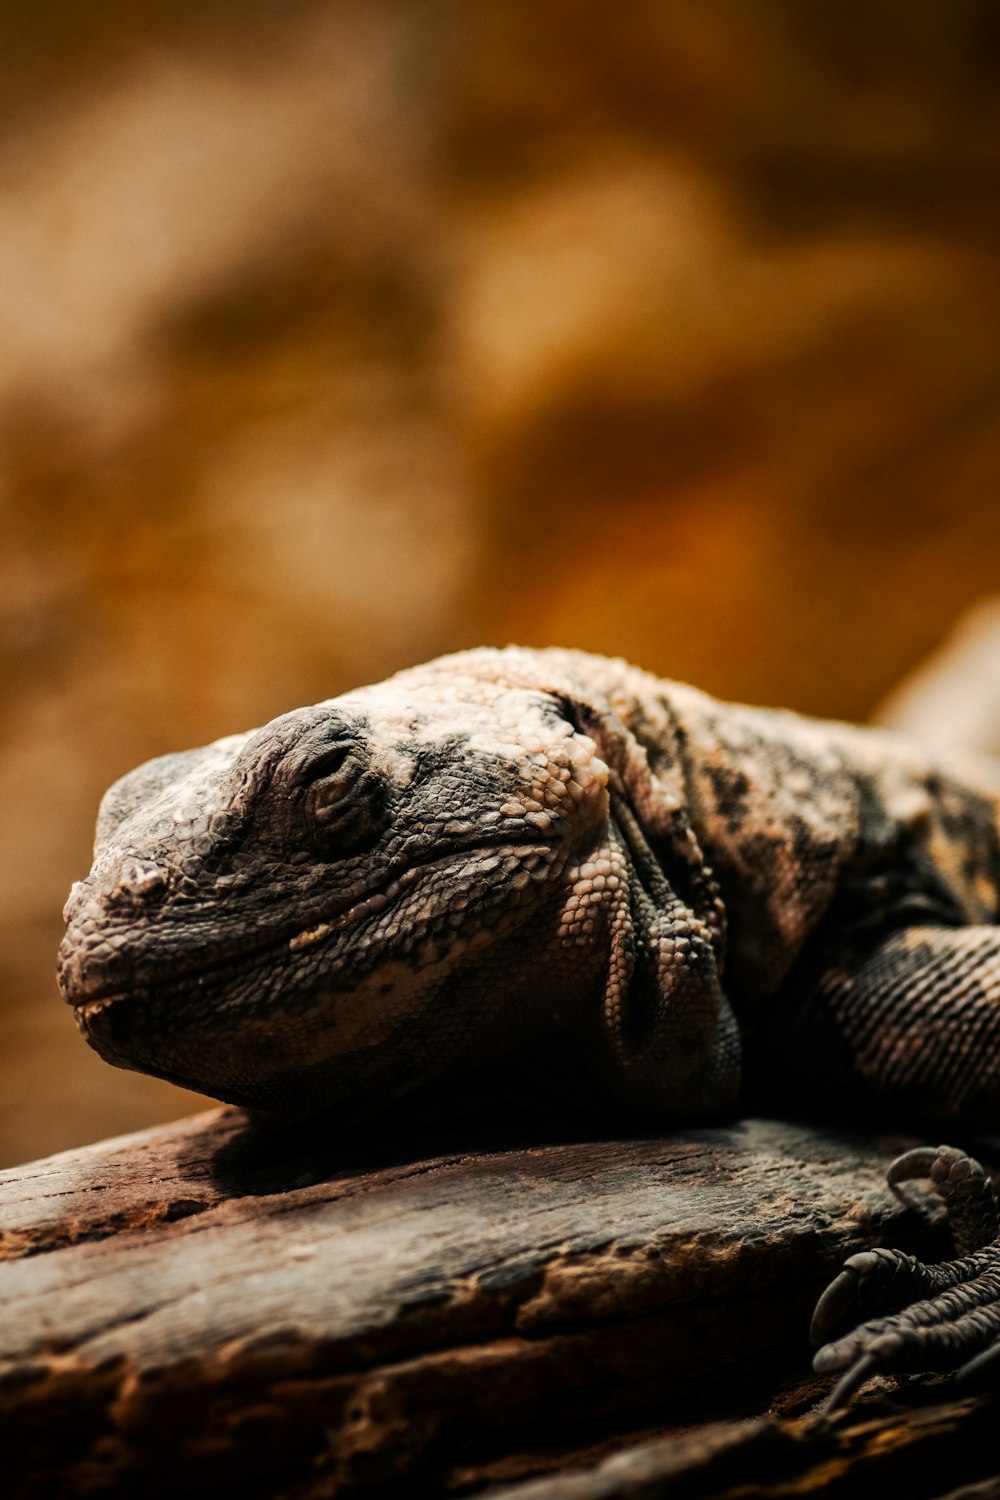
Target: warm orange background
{"x":335,"y":335}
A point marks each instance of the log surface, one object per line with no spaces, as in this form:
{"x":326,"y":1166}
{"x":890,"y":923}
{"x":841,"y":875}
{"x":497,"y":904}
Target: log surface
{"x":204,"y":1306}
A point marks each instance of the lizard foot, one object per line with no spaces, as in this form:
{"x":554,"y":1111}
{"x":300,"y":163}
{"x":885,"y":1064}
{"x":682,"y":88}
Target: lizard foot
{"x":913,"y":1317}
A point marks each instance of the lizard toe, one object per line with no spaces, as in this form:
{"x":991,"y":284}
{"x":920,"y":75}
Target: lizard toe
{"x":876,"y":1342}
{"x":956,"y":1329}
{"x":910,"y":1316}
{"x":873,"y":1282}
{"x":964,"y":1187}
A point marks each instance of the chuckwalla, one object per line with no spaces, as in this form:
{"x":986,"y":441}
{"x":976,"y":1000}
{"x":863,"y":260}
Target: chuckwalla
{"x":507,"y":856}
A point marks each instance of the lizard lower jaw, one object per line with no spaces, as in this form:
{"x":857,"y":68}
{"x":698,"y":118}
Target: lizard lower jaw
{"x":99,"y":1024}
{"x":86,"y":1009}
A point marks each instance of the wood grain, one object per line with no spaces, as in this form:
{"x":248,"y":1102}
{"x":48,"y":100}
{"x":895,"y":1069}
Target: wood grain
{"x":209,"y":1306}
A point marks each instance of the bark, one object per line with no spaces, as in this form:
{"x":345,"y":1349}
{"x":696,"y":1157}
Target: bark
{"x":206,"y":1308}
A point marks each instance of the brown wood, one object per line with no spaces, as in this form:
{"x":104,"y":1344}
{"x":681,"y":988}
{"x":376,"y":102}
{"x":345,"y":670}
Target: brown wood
{"x":206,"y":1305}
{"x":944,"y":1451}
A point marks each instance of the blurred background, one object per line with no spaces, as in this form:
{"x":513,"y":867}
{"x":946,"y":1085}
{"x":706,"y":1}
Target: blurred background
{"x":335,"y":335}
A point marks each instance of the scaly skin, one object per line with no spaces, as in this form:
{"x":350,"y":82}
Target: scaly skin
{"x":505,"y":850}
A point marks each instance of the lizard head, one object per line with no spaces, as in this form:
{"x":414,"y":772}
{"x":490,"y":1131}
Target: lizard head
{"x":325,"y":912}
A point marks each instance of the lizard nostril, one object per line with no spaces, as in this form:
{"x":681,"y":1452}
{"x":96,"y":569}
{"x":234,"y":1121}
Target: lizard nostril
{"x":138,"y":880}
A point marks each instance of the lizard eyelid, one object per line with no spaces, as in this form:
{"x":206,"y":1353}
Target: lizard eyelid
{"x":331,"y":778}
{"x":342,"y":798}
{"x":332,"y":760}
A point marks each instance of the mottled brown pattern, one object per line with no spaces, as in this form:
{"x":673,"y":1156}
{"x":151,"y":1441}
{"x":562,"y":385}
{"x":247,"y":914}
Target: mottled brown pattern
{"x":505,"y":847}
{"x":549,"y":868}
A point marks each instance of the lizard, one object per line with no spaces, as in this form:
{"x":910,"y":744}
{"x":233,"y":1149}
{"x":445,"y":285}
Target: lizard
{"x":676,"y":903}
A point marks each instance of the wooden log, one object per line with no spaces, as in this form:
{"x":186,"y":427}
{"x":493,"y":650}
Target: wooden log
{"x":206,"y":1306}
{"x":945,"y":1451}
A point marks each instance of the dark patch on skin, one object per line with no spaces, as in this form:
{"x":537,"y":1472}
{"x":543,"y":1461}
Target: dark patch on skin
{"x":659,"y":750}
{"x":731,"y":786}
{"x":877,"y":834}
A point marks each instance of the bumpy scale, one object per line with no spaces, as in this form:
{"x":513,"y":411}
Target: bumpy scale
{"x":504,"y":856}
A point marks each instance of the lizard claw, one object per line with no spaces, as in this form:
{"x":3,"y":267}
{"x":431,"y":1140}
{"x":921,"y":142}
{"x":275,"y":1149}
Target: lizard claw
{"x":862,"y":1283}
{"x":916,"y":1163}
{"x":873,"y":1281}
{"x":849,"y":1383}
{"x":940,"y":1317}
{"x":979,"y":1370}
{"x":839,"y":1299}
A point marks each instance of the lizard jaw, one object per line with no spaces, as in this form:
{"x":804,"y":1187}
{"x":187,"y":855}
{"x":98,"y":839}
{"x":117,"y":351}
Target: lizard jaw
{"x":342,"y":980}
{"x":87,"y":977}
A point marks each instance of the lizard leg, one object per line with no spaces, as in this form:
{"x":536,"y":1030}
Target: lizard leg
{"x":942,"y":1317}
{"x":912,"y":1023}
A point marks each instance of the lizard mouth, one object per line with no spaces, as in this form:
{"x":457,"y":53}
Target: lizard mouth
{"x":90,"y":996}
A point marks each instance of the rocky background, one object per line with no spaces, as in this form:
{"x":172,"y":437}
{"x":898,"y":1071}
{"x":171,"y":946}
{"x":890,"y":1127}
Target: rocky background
{"x":334,"y":335}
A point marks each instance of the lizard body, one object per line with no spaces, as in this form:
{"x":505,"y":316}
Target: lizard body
{"x":503,"y":850}
{"x":381,"y":888}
